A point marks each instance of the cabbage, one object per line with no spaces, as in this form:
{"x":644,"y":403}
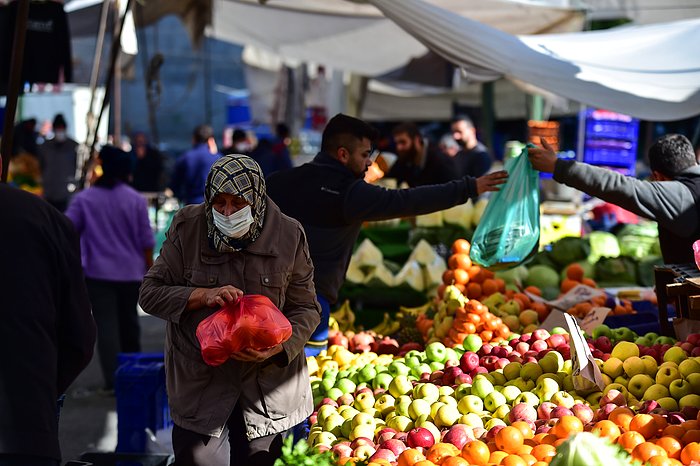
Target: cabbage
{"x":570,"y":249}
{"x":432,"y":273}
{"x":514,"y":276}
{"x":423,"y":253}
{"x":411,"y":275}
{"x":429,"y":220}
{"x":603,"y":244}
{"x":639,"y":241}
{"x":542,"y":277}
{"x":645,"y":270}
{"x":367,"y":256}
{"x":354,"y":273}
{"x":380,"y":276}
{"x":616,"y":271}
{"x":587,"y":449}
{"x":460,"y":215}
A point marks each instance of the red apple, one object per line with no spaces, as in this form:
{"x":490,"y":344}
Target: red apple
{"x":545,"y":410}
{"x":559,"y":412}
{"x":420,"y":437}
{"x":383,"y":453}
{"x":396,"y":446}
{"x":522,"y":412}
{"x":583,"y":412}
{"x":469,"y":361}
{"x":341,"y":450}
{"x":458,"y":435}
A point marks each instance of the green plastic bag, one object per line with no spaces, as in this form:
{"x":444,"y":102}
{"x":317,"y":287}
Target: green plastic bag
{"x":509,"y":231}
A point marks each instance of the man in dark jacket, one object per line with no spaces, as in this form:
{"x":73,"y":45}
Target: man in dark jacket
{"x":473,"y":159}
{"x":671,"y":199}
{"x":419,"y":163}
{"x":192,"y":168}
{"x":47,"y":333}
{"x":331,"y":200}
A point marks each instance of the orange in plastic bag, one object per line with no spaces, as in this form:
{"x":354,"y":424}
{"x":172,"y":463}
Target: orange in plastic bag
{"x":250,"y":322}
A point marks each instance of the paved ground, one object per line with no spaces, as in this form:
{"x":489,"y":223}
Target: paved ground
{"x":89,"y":419}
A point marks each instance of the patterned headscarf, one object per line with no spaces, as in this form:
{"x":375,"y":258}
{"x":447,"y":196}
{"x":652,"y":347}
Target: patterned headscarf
{"x":241,"y":176}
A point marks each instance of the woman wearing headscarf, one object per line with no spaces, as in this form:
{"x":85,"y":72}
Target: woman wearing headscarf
{"x":116,"y":243}
{"x":236,"y":242}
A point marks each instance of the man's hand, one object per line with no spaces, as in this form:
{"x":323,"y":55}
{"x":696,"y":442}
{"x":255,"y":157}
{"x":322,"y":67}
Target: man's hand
{"x":220,"y":296}
{"x":542,"y":158}
{"x":251,"y":355}
{"x":491,"y":182}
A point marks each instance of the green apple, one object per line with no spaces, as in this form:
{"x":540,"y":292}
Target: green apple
{"x":385,"y":404}
{"x":512,"y":370}
{"x":427,"y":391}
{"x":568,"y":366}
{"x":413,"y":361}
{"x":651,"y":336}
{"x":545,"y":388}
{"x":493,"y":400}
{"x":436,"y":366}
{"x":624,"y":350}
{"x":639,"y":384}
{"x":472,"y":420}
{"x":613,"y":367}
{"x":400,"y":423}
{"x":470,"y":404}
{"x":325,"y":438}
{"x":493,"y":422}
{"x":602,"y":330}
{"x":398,"y":368}
{"x":687,"y":367}
{"x":563,"y":398}
{"x":511,"y":393}
{"x":662,"y":340}
{"x":606,"y":379}
{"x":327,"y":383}
{"x":400,"y":386}
{"x":644,"y":341}
{"x":567,"y":381}
{"x":463,"y":390}
{"x":436,"y":352}
{"x":680,"y":388}
{"x":382,"y":380}
{"x":622,"y":380}
{"x":552,"y":362}
{"x":481,"y":386}
{"x":667,"y":374}
{"x":650,"y":365}
{"x":655,"y":392}
{"x":594,"y":398}
{"x":417,"y":408}
{"x":333,"y":424}
{"x":446,"y":390}
{"x":447,"y":416}
{"x":668,"y":403}
{"x":452,"y":355}
{"x":367,"y":373}
{"x":502,"y":413}
{"x":420,"y":369}
{"x":448,"y":400}
{"x":334,"y":393}
{"x":433,"y":411}
{"x":530,"y":371}
{"x":361,"y":419}
{"x":348,"y":412}
{"x":364,"y":400}
{"x":324,"y":411}
{"x":616,"y":386}
{"x":694,"y":381}
{"x":497,"y":378}
{"x":472,"y":343}
{"x":692,"y":399}
{"x":401,"y":405}
{"x":528,"y":398}
{"x":675,"y":354}
{"x":633,"y":366}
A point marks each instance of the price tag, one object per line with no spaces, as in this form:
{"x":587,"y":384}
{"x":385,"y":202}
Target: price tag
{"x":594,"y":318}
{"x":585,"y":372}
{"x":578,"y":294}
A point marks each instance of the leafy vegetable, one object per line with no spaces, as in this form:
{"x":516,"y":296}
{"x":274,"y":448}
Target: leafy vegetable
{"x":586,"y":449}
{"x":570,"y":249}
{"x":302,"y":454}
{"x":603,"y":244}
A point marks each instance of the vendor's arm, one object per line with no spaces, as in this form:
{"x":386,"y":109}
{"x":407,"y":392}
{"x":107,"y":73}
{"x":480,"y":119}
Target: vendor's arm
{"x":667,"y":202}
{"x":369,"y":202}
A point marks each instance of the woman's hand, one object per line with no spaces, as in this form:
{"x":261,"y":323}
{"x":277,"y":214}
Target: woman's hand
{"x":251,"y":355}
{"x":491,"y":182}
{"x":212,"y":297}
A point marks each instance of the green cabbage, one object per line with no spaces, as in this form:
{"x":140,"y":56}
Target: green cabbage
{"x":614,"y":271}
{"x":570,"y":249}
{"x":603,"y":244}
{"x":587,"y":449}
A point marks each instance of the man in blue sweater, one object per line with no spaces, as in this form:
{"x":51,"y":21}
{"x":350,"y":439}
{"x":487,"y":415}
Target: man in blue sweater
{"x":192,"y":168}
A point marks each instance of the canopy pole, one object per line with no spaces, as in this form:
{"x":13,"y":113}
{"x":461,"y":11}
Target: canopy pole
{"x":117,"y":70}
{"x":487,"y":113}
{"x":14,"y":83}
{"x":97,"y":59}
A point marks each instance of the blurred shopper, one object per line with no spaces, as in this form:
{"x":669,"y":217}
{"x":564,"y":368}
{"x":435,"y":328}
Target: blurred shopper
{"x":236,"y":242}
{"x":331,"y":200}
{"x":47,"y":333}
{"x":448,"y":145}
{"x":26,"y":137}
{"x":280,"y":147}
{"x":671,"y":199}
{"x":117,"y":249}
{"x":473,"y":159}
{"x":240,"y":143}
{"x":58,"y":158}
{"x":192,"y":168}
{"x":419,"y":162}
{"x":147,"y":163}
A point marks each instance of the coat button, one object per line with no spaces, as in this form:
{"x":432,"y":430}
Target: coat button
{"x":211,"y":279}
{"x":266,"y":280}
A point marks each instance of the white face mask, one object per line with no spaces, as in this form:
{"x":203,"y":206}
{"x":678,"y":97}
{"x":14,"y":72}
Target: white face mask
{"x":235,"y":225}
{"x":60,"y":136}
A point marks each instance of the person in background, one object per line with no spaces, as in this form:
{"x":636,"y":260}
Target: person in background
{"x":671,"y":199}
{"x":58,"y":158}
{"x":419,"y":163}
{"x":147,"y":163}
{"x":117,"y":249}
{"x":448,"y":145}
{"x":47,"y":334}
{"x":280,"y":147}
{"x":236,"y":242}
{"x":240,"y":144}
{"x":473,"y":159}
{"x":331,"y":200}
{"x":26,"y":137}
{"x":192,"y":167}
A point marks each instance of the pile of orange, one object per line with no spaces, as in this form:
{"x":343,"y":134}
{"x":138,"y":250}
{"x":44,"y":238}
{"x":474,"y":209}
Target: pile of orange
{"x":473,"y":281}
{"x":575,"y":277}
{"x":475,"y":318}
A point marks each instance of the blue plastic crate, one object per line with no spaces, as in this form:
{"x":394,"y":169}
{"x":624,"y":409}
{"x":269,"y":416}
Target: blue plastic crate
{"x":615,"y":129}
{"x":609,"y":156}
{"x":142,"y":401}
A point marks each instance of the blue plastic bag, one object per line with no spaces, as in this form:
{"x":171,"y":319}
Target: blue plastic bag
{"x":509,"y":231}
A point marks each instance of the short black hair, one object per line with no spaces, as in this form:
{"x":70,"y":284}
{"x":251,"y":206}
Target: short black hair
{"x":202,"y":133}
{"x":463,"y":117}
{"x":282,"y":130}
{"x":238,"y":135}
{"x":59,"y":121}
{"x":671,"y":154}
{"x":407,"y":128}
{"x":346,"y":131}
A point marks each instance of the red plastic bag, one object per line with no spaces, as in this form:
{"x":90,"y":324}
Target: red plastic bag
{"x":696,"y":253}
{"x":250,"y":322}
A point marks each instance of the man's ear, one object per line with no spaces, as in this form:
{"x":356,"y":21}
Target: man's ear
{"x":342,"y":154}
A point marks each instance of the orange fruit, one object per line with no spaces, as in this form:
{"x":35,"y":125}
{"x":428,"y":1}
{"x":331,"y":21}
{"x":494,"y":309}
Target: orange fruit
{"x":509,"y":439}
{"x":672,"y":446}
{"x":690,"y":452}
{"x":646,"y":450}
{"x":691,"y":436}
{"x":424,"y":463}
{"x":589,"y":282}
{"x":473,"y":290}
{"x":476,"y":452}
{"x":441,"y":450}
{"x":497,"y":456}
{"x":513,"y":460}
{"x":534,"y":290}
{"x":607,"y":429}
{"x":630,"y":439}
{"x":461,"y":246}
{"x":455,"y":461}
{"x":691,"y":425}
{"x":674,"y":431}
{"x":524,"y":429}
{"x":544,"y":452}
{"x":410,"y":457}
{"x":461,"y":276}
{"x":660,"y":460}
{"x":540,"y":463}
{"x":622,"y":417}
{"x":567,"y":425}
{"x":459,"y":261}
{"x":489,"y":287}
{"x":568,"y":285}
{"x":529,"y":459}
{"x":575,"y":272}
{"x":547,"y":439}
{"x":645,"y":424}
{"x":524,"y":450}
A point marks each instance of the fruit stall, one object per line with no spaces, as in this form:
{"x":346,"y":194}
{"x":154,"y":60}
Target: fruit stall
{"x":557,"y":362}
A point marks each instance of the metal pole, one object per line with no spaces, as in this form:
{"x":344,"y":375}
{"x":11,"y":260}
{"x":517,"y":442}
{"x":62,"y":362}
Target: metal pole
{"x":117,"y":98}
{"x":487,"y":113}
{"x":14,"y":83}
{"x":96,"y":67}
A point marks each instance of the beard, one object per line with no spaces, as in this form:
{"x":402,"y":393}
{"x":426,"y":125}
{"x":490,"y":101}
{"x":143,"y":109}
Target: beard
{"x":410,"y":155}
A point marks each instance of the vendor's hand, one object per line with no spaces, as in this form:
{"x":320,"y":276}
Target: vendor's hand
{"x":491,"y":182}
{"x":220,"y":296}
{"x":542,"y":158}
{"x":251,"y":355}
